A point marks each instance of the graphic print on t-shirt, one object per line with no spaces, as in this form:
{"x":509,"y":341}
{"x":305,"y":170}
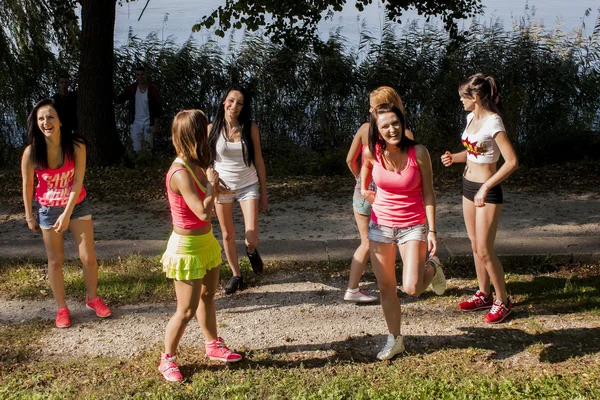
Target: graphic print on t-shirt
{"x":474,"y":149}
{"x":59,"y":188}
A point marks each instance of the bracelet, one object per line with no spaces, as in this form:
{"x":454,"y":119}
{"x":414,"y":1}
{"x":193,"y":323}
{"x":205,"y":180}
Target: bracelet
{"x":430,"y":231}
{"x":29,"y":219}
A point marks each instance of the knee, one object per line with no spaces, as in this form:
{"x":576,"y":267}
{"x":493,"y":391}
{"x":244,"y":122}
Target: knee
{"x":186,"y":315}
{"x":56,"y":262}
{"x":484,"y":254}
{"x":88,"y":260}
{"x":411,"y":289}
{"x":228,"y":236}
{"x":388,"y":291}
{"x":207,"y":296}
{"x":252,"y":240}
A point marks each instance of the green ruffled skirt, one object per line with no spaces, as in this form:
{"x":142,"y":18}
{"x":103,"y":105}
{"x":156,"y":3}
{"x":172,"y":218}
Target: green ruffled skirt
{"x":190,"y":257}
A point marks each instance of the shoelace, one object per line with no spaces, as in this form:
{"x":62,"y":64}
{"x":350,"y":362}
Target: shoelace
{"x":496,"y":308}
{"x":171,"y":366}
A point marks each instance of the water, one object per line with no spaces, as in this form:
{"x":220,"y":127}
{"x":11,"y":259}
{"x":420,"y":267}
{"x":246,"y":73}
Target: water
{"x":176,"y":18}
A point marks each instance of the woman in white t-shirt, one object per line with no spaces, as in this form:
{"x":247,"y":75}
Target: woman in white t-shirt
{"x":235,"y":143}
{"x":485,"y":140}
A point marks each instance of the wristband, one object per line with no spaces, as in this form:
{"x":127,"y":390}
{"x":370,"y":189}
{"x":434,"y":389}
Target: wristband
{"x":430,"y":231}
{"x":29,"y":219}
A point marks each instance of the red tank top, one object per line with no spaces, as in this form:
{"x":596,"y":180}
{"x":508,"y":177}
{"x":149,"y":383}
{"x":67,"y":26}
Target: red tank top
{"x":399,"y":199}
{"x":55,"y":185}
{"x":181,"y":214}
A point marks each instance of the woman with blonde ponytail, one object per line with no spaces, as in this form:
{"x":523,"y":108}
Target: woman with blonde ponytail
{"x":485,"y":140}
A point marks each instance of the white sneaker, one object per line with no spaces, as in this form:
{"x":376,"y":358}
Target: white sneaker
{"x":391,"y":348}
{"x":358,"y":296}
{"x":438,"y":283}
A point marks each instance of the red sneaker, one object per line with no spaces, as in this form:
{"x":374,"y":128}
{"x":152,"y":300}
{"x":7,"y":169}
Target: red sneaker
{"x":477,"y":302}
{"x":216,"y":350}
{"x":98,"y":306}
{"x":169,"y":368}
{"x":63,"y":319}
{"x":498,"y":312}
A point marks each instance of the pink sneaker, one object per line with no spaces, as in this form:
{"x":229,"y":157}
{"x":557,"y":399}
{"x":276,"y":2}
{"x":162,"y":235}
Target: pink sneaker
{"x":216,"y":350}
{"x":498,"y":312}
{"x":63,"y":319}
{"x":169,"y":368}
{"x":98,"y":306}
{"x":477,"y":302}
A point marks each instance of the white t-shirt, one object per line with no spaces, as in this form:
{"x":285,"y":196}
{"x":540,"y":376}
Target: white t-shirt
{"x":142,"y":112}
{"x":481,"y":146}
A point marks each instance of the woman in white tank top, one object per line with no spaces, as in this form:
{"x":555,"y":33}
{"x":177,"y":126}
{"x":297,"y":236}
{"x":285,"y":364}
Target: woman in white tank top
{"x":235,"y":142}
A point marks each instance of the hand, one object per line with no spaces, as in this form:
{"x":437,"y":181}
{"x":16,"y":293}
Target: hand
{"x":479,"y":199}
{"x":62,"y":223}
{"x":447,"y":159}
{"x":369,"y":195}
{"x":212,"y":176}
{"x":262,"y":205}
{"x":32,"y":224}
{"x":431,"y":244}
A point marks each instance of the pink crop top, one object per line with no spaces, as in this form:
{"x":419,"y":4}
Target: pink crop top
{"x":181,"y":214}
{"x":481,"y":146}
{"x":55,"y":185}
{"x":399,"y":198}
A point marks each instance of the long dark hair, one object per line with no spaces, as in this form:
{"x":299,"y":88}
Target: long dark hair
{"x":486,"y":87}
{"x":37,"y":140}
{"x":245,"y":120}
{"x":374,"y":136}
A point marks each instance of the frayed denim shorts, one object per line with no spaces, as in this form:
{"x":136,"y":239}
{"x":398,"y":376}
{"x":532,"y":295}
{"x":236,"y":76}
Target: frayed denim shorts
{"x":249,"y":192}
{"x":47,"y":215}
{"x":361,"y":205}
{"x":384,"y":234}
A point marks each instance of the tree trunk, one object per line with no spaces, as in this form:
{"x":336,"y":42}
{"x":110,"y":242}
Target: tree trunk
{"x":95,"y":114}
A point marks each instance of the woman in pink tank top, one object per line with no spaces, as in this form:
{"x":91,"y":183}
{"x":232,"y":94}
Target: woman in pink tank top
{"x":403,"y":217}
{"x":193,"y":255}
{"x":362,"y":207}
{"x":58,"y":161}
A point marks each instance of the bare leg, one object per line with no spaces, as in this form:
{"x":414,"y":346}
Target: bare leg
{"x":54,"y":244}
{"x":83,"y":233}
{"x":486,"y":227}
{"x":361,"y":255}
{"x":207,"y":312}
{"x":483,"y":279}
{"x":188,"y":296}
{"x":250,"y":211}
{"x":383,"y":259}
{"x":416,"y":274}
{"x":225,"y":214}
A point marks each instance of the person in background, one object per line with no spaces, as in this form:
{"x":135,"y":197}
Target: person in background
{"x":66,"y":104}
{"x":362,"y":207}
{"x":485,"y":140}
{"x":144,"y":109}
{"x":58,"y":160}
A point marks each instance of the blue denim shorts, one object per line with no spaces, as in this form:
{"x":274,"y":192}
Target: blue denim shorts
{"x":384,"y":234}
{"x":48,"y":215}
{"x":249,"y":192}
{"x":361,"y":205}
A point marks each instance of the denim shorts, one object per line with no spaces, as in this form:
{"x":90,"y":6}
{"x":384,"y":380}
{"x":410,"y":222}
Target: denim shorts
{"x":249,"y":192}
{"x":384,"y":234}
{"x":361,"y":205}
{"x":47,"y":215}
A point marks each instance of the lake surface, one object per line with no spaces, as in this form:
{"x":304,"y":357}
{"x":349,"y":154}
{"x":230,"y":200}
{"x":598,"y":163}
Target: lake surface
{"x":175,"y":18}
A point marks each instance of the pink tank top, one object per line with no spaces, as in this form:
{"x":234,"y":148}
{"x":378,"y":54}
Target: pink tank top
{"x":181,"y":214}
{"x":399,"y":199}
{"x":55,"y":185}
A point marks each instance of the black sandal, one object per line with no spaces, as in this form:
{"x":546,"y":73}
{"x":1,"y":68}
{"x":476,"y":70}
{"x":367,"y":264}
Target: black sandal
{"x":235,"y":283}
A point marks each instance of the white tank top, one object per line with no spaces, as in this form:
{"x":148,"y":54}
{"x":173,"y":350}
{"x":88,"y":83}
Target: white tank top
{"x":229,"y":163}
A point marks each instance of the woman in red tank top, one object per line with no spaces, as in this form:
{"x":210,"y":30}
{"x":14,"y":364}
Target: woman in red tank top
{"x":58,"y":160}
{"x":403,"y":217}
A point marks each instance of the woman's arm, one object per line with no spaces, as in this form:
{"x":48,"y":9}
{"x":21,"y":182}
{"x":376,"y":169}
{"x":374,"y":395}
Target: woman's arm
{"x":356,"y":148}
{"x":27,"y":172}
{"x":259,"y":164}
{"x":448,"y":158}
{"x":510,"y":165}
{"x":424,"y":161}
{"x":366,"y":176}
{"x":62,"y":223}
{"x":183,"y":183}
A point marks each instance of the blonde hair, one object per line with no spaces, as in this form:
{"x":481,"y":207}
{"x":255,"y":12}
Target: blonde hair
{"x":190,"y":138}
{"x":386,"y":95}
